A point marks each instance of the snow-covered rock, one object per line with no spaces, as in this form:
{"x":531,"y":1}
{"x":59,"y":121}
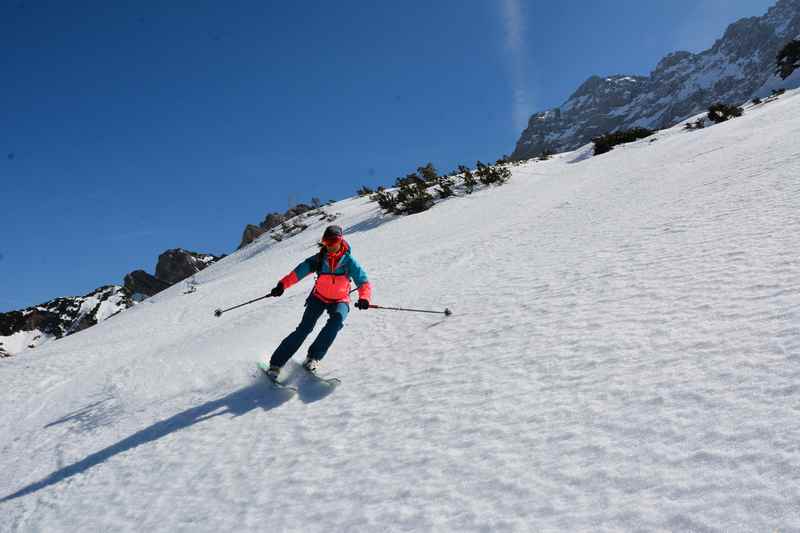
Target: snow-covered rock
{"x":34,"y":326}
{"x":732,"y":71}
{"x":28,"y":328}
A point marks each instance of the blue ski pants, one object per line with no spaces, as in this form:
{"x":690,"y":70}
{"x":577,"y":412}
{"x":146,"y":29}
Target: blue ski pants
{"x":337,"y":312}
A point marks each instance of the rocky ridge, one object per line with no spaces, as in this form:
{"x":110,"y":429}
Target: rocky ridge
{"x":31,"y":327}
{"x":733,"y":70}
{"x":281,"y":226}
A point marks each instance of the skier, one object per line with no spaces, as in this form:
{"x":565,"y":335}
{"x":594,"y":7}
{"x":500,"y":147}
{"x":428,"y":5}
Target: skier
{"x":335,"y":267}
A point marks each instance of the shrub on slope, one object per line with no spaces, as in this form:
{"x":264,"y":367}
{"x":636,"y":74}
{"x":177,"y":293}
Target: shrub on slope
{"x":788,"y":59}
{"x":605,"y":143}
{"x":720,"y":112}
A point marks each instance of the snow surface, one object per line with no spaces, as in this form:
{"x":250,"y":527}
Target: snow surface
{"x":20,"y":340}
{"x":624,"y":354}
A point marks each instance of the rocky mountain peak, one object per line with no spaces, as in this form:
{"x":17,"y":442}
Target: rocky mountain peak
{"x":782,"y":12}
{"x":737,"y":67}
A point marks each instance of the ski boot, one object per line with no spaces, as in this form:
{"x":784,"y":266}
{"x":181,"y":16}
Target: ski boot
{"x":311,"y":365}
{"x":273,"y":372}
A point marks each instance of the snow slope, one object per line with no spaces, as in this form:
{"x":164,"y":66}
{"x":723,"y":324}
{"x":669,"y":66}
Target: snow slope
{"x":624,"y":355}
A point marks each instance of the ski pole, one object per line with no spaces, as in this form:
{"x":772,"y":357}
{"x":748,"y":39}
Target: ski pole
{"x":218,"y":312}
{"x":446,"y":312}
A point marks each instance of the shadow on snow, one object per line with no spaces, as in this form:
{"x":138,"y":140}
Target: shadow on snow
{"x":235,"y":404}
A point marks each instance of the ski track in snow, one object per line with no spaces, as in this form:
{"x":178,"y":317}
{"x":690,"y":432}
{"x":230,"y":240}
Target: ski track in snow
{"x":624,"y":354}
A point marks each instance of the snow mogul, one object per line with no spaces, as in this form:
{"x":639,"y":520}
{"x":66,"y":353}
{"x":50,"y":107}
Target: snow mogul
{"x":335,"y":267}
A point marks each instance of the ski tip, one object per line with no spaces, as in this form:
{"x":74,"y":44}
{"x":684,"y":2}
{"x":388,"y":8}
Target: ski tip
{"x":328,"y":382}
{"x":282,"y":387}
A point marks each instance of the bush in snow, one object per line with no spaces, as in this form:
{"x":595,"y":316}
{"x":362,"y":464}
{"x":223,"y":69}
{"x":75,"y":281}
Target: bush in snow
{"x":414,"y":199}
{"x":720,"y":112}
{"x":605,"y":143}
{"x":364,"y":191}
{"x":386,"y":200}
{"x":756,"y":101}
{"x":469,"y":179}
{"x":287,"y":230}
{"x":413,"y":194}
{"x":429,"y":174}
{"x":698,"y":124}
{"x":410,"y":179}
{"x":788,"y":59}
{"x":778,"y":92}
{"x":445,"y":187}
{"x":492,"y":175}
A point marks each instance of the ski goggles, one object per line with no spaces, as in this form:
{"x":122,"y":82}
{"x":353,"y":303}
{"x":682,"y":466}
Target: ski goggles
{"x":332,"y":240}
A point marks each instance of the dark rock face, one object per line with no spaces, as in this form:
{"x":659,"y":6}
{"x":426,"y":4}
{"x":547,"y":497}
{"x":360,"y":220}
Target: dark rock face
{"x":589,"y":112}
{"x":173,"y":266}
{"x":682,"y":84}
{"x":272,"y":220}
{"x":140,"y":282}
{"x":178,"y":264}
{"x":250,"y":234}
{"x":60,"y":317}
{"x":299,"y":209}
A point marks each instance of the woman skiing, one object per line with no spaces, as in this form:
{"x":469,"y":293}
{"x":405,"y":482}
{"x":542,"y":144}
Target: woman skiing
{"x":335,"y":267}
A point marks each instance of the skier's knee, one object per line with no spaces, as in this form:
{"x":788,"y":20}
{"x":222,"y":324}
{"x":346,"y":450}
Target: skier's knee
{"x":338,"y":319}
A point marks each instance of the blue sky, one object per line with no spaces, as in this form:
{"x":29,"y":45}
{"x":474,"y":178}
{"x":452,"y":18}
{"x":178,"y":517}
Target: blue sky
{"x":126,"y":130}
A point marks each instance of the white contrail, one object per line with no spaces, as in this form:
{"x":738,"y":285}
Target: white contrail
{"x":512,"y":20}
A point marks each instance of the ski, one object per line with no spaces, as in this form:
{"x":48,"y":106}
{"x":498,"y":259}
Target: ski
{"x":331,"y":382}
{"x":274,"y":382}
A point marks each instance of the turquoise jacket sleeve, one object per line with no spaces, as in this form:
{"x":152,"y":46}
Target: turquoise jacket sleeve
{"x":300,"y":271}
{"x":357,"y":273}
{"x":359,"y":276}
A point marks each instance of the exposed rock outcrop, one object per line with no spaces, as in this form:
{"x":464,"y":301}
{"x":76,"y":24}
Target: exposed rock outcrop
{"x":272,"y":220}
{"x":250,"y":234}
{"x":178,"y":264}
{"x":141,"y":284}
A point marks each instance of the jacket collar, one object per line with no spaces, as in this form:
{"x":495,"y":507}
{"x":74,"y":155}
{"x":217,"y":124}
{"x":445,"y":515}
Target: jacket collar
{"x":345,"y":249}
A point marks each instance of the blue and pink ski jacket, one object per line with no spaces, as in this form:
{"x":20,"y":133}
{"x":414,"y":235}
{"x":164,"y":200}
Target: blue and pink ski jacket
{"x":333,"y":282}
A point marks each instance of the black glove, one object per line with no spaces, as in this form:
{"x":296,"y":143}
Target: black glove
{"x":362,"y":303}
{"x":278,"y":290}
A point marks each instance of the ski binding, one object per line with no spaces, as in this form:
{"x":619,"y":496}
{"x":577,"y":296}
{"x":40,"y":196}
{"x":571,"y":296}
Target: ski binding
{"x":264,"y":367}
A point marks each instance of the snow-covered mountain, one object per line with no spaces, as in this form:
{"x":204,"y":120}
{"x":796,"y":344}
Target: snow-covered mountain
{"x":28,"y":328}
{"x":31,"y":327}
{"x":623,"y":354}
{"x":732,"y":71}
